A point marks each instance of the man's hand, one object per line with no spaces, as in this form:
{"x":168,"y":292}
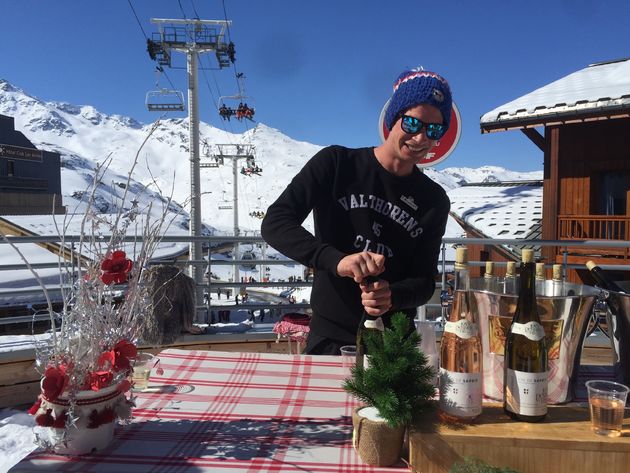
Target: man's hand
{"x":376,"y":297}
{"x":361,"y":265}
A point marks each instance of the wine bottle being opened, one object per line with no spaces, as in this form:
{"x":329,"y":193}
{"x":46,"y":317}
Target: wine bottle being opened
{"x":526,"y":367}
{"x":368,"y":323}
{"x":461,"y":353}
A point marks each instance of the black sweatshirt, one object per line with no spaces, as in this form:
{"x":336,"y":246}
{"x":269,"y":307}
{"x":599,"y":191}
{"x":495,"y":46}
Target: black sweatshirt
{"x":358,"y":205}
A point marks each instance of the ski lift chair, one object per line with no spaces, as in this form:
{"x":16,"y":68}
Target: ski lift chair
{"x":238,"y":105}
{"x":165,"y":100}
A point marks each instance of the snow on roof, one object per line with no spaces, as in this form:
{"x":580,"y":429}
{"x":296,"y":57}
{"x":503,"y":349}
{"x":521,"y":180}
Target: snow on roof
{"x":602,"y":87}
{"x":501,"y":210}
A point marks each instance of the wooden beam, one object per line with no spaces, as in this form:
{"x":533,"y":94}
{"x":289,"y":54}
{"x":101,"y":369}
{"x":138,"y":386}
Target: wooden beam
{"x":535,"y":137}
{"x":551,"y":191}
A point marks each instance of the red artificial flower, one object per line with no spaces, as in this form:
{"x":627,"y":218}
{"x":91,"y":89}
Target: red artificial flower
{"x":106,"y":359}
{"x":55,"y":382}
{"x":100,"y":380}
{"x":116,"y":268}
{"x":123,"y":352}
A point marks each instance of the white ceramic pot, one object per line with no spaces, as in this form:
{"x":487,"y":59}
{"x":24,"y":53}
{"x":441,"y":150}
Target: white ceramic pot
{"x":80,"y":438}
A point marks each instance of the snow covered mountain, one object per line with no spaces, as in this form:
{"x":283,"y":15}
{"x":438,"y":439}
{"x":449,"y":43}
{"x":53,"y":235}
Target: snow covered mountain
{"x":84,"y":136}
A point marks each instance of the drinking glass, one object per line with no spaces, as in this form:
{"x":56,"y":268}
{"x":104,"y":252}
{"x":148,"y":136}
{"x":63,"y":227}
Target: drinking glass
{"x":348,"y":358}
{"x":141,"y":370}
{"x":607,"y":401}
{"x":428,"y":344}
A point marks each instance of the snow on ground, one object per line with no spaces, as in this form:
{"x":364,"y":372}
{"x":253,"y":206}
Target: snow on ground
{"x":16,"y":437}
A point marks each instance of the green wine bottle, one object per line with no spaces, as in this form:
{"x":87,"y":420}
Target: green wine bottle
{"x":526,"y":367}
{"x":367,"y":323}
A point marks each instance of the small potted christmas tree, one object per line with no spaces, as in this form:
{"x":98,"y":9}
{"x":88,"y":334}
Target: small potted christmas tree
{"x":396,"y":389}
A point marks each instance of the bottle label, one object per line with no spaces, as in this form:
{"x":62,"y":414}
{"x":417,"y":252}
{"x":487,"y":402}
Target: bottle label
{"x":498,"y":327}
{"x":532,"y":330}
{"x":460,"y":393}
{"x":526,"y":393}
{"x":462,"y":328}
{"x":376,"y":323}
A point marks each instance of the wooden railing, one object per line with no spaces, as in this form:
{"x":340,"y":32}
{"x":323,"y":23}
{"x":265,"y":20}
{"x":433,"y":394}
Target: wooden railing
{"x":595,"y":227}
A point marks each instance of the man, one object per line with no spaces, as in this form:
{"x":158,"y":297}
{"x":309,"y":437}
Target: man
{"x":376,"y":214}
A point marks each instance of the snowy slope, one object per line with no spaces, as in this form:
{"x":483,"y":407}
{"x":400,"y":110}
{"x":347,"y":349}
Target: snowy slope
{"x":84,"y":136}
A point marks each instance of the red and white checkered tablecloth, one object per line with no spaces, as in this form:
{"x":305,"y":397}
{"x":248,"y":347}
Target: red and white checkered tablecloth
{"x":231,"y":412}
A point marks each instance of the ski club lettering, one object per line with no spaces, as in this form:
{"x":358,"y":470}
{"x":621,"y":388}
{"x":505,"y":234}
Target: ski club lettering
{"x":365,"y":244}
{"x":383,"y":207}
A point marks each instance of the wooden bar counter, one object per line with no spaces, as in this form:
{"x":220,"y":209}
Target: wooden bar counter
{"x":562,"y":443}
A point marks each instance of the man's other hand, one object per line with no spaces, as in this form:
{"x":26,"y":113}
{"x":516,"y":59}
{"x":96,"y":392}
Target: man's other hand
{"x":361,"y":265}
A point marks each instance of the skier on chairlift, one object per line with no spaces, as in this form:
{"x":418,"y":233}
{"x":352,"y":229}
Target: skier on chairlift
{"x":225,"y":112}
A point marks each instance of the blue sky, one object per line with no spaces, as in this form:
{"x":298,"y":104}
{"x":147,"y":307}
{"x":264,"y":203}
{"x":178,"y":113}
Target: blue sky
{"x":319,"y":71}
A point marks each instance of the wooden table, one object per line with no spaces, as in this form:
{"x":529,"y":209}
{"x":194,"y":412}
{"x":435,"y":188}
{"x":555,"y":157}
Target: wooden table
{"x":562,"y":443}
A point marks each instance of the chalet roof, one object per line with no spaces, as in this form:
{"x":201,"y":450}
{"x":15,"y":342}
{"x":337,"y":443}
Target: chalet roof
{"x":500,"y":210}
{"x":598,"y":91}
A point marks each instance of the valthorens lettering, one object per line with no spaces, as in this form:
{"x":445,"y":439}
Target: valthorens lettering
{"x":462,"y":328}
{"x":383,"y":207}
{"x":532,"y":330}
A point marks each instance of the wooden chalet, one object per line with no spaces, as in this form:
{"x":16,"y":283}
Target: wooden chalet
{"x":581,"y":123}
{"x":30,"y":179}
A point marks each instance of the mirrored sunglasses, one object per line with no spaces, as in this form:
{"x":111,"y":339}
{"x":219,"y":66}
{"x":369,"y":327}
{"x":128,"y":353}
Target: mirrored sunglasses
{"x":413,"y":126}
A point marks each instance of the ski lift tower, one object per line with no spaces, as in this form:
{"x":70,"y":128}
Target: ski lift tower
{"x":192,"y":37}
{"x":233,"y":152}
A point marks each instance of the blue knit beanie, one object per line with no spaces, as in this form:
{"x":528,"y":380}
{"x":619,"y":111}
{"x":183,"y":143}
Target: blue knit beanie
{"x":416,"y":87}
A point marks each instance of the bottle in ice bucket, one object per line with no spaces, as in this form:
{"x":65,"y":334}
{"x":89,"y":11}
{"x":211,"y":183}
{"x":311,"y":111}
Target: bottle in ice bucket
{"x":461,"y":353}
{"x":557,"y":281}
{"x":509,"y":283}
{"x":540,"y":278}
{"x":526,"y":369}
{"x":489,"y":281}
{"x":601,"y":279}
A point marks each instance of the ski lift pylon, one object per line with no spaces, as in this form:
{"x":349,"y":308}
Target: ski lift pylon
{"x":165,"y":100}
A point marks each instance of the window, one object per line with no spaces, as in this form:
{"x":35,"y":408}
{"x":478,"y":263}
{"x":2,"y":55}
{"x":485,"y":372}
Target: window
{"x":10,"y":168}
{"x":615,"y":187}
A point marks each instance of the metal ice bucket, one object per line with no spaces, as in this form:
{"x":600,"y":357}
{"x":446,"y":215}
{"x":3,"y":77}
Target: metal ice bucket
{"x":619,"y":329}
{"x":564,"y":309}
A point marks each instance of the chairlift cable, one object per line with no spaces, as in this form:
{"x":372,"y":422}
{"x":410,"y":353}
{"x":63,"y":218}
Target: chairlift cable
{"x":137,"y":19}
{"x":228,"y":26}
{"x":192,"y":2}
{"x":182,"y":10}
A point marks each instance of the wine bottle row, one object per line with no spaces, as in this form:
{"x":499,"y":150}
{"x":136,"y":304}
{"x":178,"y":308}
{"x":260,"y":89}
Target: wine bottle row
{"x":461,"y":353}
{"x":525,"y":354}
